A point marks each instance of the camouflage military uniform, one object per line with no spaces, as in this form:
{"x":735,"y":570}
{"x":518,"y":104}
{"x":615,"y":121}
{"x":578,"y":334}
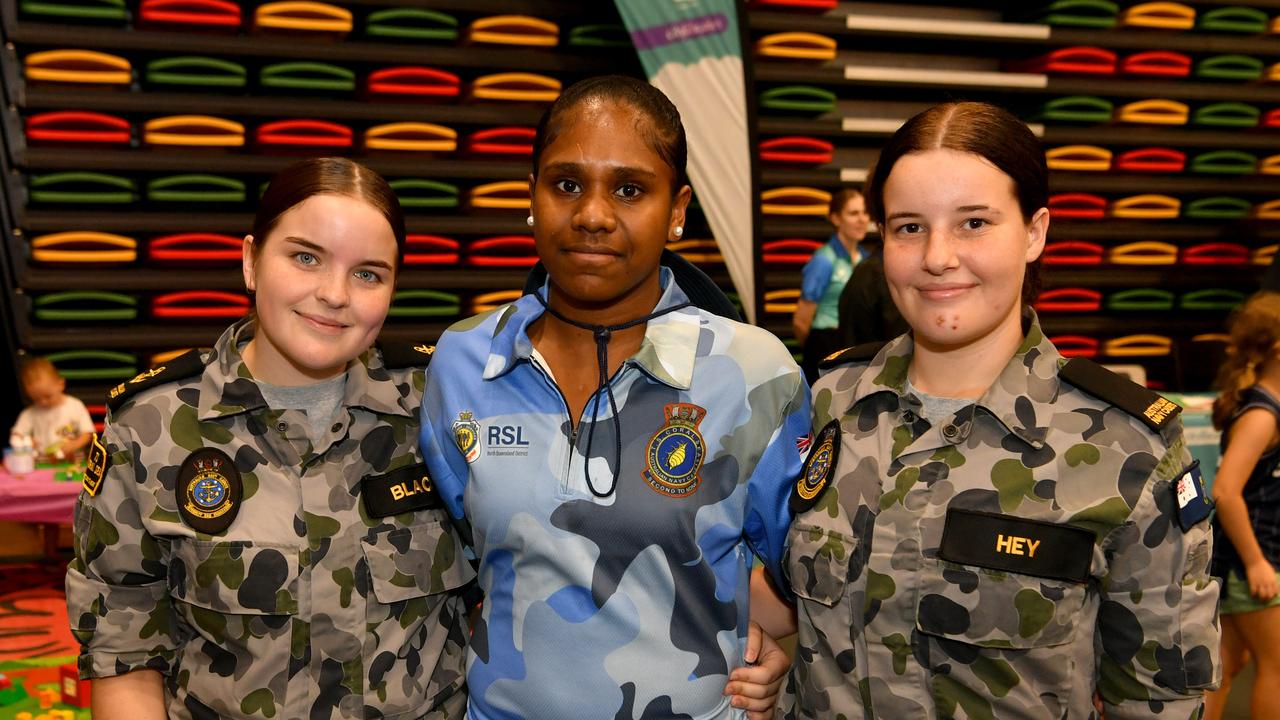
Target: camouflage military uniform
{"x":308,"y":605}
{"x":890,"y":629}
{"x":632,"y":605}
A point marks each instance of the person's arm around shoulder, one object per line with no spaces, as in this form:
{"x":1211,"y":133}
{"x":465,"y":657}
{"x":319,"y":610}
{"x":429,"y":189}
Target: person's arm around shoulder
{"x":117,"y":600}
{"x":1252,"y":433}
{"x":1157,"y":596}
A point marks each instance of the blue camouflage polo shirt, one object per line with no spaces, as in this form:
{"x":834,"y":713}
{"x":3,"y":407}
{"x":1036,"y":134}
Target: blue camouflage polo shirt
{"x":633,"y":605}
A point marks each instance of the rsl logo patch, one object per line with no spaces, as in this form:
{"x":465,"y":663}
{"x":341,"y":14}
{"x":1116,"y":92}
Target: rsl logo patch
{"x":676,"y":452}
{"x":818,"y":468}
{"x":209,"y":490}
{"x":466,"y":435}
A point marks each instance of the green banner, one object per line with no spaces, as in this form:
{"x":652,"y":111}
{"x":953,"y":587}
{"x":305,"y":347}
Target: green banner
{"x":691,"y":51}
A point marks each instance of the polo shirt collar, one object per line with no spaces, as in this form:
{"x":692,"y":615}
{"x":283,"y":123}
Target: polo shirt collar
{"x":666,"y":354}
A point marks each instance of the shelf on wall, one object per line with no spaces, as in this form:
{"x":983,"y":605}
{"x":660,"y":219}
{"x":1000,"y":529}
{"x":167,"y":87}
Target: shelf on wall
{"x":156,"y":337}
{"x":1098,"y":182}
{"x":162,"y":160}
{"x":1106,"y":135}
{"x":494,"y":58}
{"x":143,"y":278}
{"x":1109,"y":323}
{"x":277,"y":106}
{"x":1006,"y":37}
{"x":943,"y":82}
{"x":42,"y":221}
{"x":1110,"y":230}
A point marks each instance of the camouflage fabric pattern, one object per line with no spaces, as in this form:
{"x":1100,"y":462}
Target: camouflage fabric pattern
{"x":632,"y":605}
{"x":889,"y":630}
{"x":305,"y":607}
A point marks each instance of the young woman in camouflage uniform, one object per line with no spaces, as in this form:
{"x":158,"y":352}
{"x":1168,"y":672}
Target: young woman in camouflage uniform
{"x":985,"y":529}
{"x":256,"y":539}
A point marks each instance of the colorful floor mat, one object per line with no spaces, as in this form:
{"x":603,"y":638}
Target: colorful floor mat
{"x":33,"y":624}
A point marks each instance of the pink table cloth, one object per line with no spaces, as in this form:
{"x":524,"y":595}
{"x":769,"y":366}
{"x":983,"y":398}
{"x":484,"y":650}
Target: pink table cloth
{"x":37,"y":497}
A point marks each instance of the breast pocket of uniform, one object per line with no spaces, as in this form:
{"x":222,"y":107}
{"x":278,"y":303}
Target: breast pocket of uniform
{"x":991,"y":627}
{"x":240,"y":598}
{"x":415,"y":611}
{"x":819,"y":561}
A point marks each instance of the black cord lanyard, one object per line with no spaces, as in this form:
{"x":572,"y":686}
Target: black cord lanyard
{"x":602,"y":333}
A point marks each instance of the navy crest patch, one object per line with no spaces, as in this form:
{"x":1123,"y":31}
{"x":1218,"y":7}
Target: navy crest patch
{"x":676,"y":452}
{"x":95,"y":466}
{"x":818,"y":468}
{"x":209,"y":490}
{"x":466,"y":435}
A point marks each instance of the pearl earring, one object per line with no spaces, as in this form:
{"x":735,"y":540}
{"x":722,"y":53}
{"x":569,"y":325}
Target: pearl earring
{"x":529,"y":221}
{"x":679,"y":230}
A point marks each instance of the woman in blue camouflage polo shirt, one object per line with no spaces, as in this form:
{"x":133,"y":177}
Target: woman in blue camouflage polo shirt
{"x":619,"y":453}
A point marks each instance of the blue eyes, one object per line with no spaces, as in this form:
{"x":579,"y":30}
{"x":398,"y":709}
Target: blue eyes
{"x":307,"y":259}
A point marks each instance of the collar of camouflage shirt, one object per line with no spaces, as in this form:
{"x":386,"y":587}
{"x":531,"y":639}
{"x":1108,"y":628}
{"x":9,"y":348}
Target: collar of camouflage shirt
{"x":227,"y":387}
{"x":1030,"y":379}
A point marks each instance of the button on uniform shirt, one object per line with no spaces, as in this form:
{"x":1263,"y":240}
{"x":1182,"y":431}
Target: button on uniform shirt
{"x":1038,"y":476}
{"x":306,"y":606}
{"x":632,"y":605}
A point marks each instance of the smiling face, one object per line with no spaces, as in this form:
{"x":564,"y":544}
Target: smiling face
{"x":603,"y":209}
{"x":956,"y":248}
{"x":323,"y":280}
{"x":852,"y":221}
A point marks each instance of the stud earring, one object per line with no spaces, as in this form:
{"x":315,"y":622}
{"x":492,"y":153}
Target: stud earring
{"x":529,"y":221}
{"x":679,"y":230}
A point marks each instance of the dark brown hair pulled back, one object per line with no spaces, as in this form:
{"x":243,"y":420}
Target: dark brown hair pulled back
{"x":985,"y":130}
{"x":327,"y":176}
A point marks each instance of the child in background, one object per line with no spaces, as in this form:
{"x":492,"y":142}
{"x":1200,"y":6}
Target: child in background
{"x":56,"y":424}
{"x":1246,"y":546}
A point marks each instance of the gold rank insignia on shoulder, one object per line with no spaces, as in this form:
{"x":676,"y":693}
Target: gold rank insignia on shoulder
{"x":179,"y":368}
{"x":818,"y":468}
{"x":857,"y":353}
{"x":95,"y":468}
{"x":425,"y":349}
{"x":675,"y":453}
{"x":146,"y":374}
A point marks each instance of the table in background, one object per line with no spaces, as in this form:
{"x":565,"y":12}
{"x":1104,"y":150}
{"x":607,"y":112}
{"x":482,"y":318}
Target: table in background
{"x":39,"y":497}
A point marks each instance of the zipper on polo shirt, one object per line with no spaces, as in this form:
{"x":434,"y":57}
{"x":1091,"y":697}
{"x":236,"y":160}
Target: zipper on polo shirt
{"x":536,"y":359}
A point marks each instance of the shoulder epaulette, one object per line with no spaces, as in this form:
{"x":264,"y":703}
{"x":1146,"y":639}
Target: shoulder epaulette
{"x":184,"y":366}
{"x":1153,"y":409}
{"x":396,"y":356}
{"x":865,"y":351}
